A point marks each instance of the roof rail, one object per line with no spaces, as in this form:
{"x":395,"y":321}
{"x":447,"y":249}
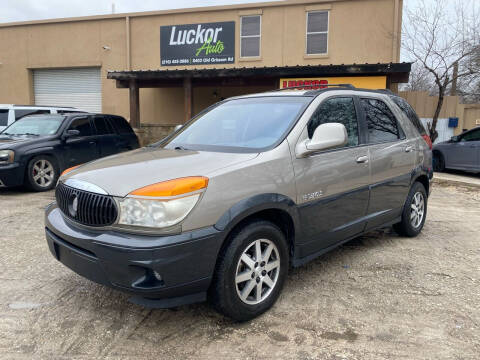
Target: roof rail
{"x":312,"y":87}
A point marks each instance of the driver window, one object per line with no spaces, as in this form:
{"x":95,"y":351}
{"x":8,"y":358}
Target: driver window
{"x":82,"y":125}
{"x":336,"y":110}
{"x":471,"y":136}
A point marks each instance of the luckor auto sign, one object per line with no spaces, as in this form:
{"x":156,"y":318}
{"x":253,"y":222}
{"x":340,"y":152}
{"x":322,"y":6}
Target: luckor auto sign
{"x":207,"y":43}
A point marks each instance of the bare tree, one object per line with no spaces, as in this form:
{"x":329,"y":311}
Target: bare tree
{"x":438,"y":35}
{"x":420,"y":79}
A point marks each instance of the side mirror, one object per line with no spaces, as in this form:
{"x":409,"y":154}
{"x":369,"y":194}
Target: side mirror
{"x":71,"y":133}
{"x":326,"y":136}
{"x":178,"y":127}
{"x":454,"y":139}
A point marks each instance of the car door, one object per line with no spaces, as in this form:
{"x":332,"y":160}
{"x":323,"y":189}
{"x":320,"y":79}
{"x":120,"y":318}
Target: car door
{"x":83,"y":148}
{"x":332,"y":185}
{"x":464,"y":153}
{"x":392,"y":160}
{"x":105,"y":135}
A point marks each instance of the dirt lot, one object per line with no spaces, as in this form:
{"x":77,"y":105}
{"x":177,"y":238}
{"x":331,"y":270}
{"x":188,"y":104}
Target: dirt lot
{"x":379,"y":296}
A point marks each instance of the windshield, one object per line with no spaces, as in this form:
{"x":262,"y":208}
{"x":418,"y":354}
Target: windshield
{"x":35,"y":125}
{"x":241,"y":125}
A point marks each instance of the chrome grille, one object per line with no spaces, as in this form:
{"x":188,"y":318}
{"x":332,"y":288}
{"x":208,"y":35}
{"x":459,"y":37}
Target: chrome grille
{"x":91,"y":209}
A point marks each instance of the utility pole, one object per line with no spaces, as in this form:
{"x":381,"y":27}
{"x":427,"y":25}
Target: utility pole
{"x":113,"y":8}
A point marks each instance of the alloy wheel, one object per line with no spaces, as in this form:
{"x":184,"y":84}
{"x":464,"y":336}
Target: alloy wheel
{"x":43,"y":173}
{"x":257,"y":272}
{"x":417,"y":209}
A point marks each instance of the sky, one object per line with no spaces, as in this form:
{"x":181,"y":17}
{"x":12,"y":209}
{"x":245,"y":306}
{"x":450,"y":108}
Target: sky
{"x":24,"y":10}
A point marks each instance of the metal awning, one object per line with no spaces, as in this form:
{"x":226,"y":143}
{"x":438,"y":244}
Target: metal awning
{"x":396,"y":72}
{"x":245,"y":76}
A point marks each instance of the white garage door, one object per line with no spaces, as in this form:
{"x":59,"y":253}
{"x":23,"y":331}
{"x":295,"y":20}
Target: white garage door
{"x":80,"y":88}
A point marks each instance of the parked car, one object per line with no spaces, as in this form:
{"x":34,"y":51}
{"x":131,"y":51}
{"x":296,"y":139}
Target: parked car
{"x":222,"y":207}
{"x":461,"y":152}
{"x":35,"y":149}
{"x":9,"y":113}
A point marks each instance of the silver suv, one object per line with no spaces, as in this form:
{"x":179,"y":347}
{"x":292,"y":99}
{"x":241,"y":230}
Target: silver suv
{"x":255,"y":184}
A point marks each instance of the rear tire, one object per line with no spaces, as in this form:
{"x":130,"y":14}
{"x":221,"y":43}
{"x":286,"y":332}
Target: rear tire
{"x":438,"y":162}
{"x":247,"y":284}
{"x":42,"y":173}
{"x":414,"y":212}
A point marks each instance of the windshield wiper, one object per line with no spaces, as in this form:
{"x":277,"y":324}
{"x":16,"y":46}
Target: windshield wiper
{"x":27,"y":134}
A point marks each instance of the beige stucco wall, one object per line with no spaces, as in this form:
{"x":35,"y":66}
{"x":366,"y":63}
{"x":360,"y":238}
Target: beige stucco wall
{"x":425,"y":106}
{"x":360,"y":31}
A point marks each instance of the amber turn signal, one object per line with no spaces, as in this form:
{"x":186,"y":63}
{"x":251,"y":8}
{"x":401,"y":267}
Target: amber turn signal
{"x":69,"y":169}
{"x":173,"y":187}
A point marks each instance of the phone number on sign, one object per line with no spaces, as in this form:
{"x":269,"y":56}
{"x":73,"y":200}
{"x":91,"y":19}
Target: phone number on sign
{"x":211,"y":60}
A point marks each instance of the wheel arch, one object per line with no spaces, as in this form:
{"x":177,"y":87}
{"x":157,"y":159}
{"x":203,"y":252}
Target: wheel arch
{"x":423,"y":179}
{"x":439,"y":152}
{"x":46,"y":151}
{"x":275,"y":208}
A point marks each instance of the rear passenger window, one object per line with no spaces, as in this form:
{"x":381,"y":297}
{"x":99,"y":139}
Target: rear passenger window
{"x":336,"y":110}
{"x":382,"y":124}
{"x":3,"y":117}
{"x":121,"y":125}
{"x":82,"y":125}
{"x":25,"y":112}
{"x":407,"y":109}
{"x":102,"y":126}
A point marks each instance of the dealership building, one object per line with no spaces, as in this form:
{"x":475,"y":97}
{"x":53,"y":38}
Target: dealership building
{"x":158,"y":69}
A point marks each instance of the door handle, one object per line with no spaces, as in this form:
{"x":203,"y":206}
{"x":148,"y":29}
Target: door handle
{"x":409,"y":149}
{"x":362,"y":160}
{"x":92,"y":142}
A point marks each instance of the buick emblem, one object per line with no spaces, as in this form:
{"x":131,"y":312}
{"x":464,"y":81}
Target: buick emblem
{"x":73,"y":205}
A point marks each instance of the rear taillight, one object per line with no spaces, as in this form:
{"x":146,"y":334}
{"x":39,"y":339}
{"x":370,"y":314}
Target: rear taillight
{"x":427,"y":140}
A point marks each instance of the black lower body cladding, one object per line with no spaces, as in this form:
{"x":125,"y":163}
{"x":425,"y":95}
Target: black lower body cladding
{"x":154,"y":267}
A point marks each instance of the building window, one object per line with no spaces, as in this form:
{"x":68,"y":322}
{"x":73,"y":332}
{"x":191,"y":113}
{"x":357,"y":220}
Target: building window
{"x":250,"y":30}
{"x":317,"y":32}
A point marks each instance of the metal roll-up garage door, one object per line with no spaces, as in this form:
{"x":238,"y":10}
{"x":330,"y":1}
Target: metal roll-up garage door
{"x":80,"y":88}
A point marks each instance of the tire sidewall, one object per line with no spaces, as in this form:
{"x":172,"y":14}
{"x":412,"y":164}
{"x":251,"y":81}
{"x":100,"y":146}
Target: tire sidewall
{"x":29,"y":175}
{"x":258,"y":230}
{"x":439,"y":162}
{"x":408,"y":227}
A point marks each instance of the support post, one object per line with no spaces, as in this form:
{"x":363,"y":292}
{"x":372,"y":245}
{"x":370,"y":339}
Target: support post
{"x":187,"y":86}
{"x":134,"y":104}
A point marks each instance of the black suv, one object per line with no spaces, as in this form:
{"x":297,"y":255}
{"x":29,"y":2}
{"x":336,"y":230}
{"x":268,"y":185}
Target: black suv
{"x":36,"y":149}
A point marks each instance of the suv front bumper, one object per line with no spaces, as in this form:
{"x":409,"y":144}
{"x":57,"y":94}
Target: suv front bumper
{"x":11,"y":175}
{"x":175,"y":268}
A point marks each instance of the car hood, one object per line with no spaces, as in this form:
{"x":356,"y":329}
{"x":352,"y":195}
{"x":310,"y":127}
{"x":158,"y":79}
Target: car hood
{"x":10,"y":142}
{"x":120,"y":174}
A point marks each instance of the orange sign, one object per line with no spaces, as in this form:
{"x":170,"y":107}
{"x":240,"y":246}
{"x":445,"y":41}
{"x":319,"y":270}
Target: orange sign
{"x":365,"y":82}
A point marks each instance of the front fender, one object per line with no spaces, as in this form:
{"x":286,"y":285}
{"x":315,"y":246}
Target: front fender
{"x":255,"y":204}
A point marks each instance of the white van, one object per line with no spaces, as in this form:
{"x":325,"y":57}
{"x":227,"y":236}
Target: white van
{"x":10,"y":113}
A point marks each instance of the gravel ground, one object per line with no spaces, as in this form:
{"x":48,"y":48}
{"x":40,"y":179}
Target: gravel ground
{"x":379,"y":296}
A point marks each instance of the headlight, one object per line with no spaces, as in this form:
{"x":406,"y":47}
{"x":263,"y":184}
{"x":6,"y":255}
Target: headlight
{"x":163,"y":204}
{"x":6,"y":156}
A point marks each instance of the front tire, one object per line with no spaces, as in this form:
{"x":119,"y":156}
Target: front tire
{"x":250,"y":272}
{"x":42,"y":173}
{"x":414,"y":212}
{"x":438,"y":162}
